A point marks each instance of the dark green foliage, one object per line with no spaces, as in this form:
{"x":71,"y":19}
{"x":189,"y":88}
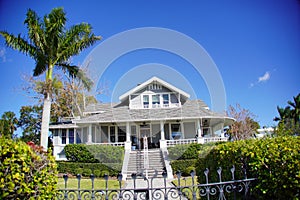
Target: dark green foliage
{"x":94,"y":153}
{"x":8,"y":124}
{"x":25,"y":171}
{"x":274,"y":161}
{"x":182,"y":165}
{"x":97,"y":172}
{"x":78,"y":171}
{"x":86,"y":172}
{"x":189,"y":151}
{"x":107,"y":153}
{"x":72,"y":168}
{"x":79,"y":153}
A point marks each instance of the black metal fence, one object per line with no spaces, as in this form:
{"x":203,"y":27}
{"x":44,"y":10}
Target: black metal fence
{"x":232,"y":189}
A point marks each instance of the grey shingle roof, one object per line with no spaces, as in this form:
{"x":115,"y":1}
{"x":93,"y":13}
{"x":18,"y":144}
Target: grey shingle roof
{"x":112,"y":112}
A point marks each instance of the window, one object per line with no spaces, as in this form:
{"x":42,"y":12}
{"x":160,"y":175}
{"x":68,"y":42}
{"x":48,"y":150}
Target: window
{"x":78,"y":138}
{"x":71,"y":136}
{"x":165,"y":100}
{"x":121,"y":134}
{"x":146,"y":101}
{"x":112,"y":134}
{"x":155,"y":101}
{"x":63,"y":136}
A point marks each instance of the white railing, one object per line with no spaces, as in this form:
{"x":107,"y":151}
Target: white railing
{"x":110,"y":143}
{"x":171,"y":143}
{"x":215,"y":139}
{"x":146,"y":158}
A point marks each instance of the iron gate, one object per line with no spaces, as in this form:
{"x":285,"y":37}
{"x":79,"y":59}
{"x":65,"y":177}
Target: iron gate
{"x":233,"y":189}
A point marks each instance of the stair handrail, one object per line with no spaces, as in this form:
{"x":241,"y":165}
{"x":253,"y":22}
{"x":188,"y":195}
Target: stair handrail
{"x":146,"y":158}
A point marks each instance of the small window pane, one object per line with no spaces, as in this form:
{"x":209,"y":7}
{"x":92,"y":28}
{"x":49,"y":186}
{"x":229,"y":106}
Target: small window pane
{"x":71,"y":136}
{"x":63,"y":136}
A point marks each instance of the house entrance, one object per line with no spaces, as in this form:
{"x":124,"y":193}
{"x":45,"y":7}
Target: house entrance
{"x":137,"y":140}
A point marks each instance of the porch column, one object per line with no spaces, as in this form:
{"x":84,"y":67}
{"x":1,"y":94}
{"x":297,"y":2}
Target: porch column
{"x":89,"y":138}
{"x":162,"y":130}
{"x":182,"y":130}
{"x":200,"y":139}
{"x":162,"y":142}
{"x":128,"y":133}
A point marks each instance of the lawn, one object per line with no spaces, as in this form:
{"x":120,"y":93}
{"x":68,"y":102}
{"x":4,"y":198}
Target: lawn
{"x":87,"y":183}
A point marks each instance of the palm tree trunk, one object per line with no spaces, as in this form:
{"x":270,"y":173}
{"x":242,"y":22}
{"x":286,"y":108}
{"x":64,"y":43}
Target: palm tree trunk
{"x":45,"y":121}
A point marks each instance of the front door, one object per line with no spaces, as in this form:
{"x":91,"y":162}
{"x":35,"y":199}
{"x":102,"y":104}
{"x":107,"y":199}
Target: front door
{"x":144,"y":131}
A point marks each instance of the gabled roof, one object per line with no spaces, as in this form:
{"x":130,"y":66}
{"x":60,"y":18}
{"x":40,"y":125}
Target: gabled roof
{"x":151,"y":80}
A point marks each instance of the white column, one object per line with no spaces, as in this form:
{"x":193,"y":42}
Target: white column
{"x":89,"y":138}
{"x":162,"y":130}
{"x":200,"y":139}
{"x":128,"y":132}
{"x":182,"y":130}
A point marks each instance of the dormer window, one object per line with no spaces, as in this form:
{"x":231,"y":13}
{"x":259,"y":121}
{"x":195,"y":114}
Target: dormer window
{"x":165,"y":100}
{"x":155,"y":101}
{"x":146,"y":101}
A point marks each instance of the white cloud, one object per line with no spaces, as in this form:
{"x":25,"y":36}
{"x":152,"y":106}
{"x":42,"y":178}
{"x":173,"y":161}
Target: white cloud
{"x":261,"y":79}
{"x":264,"y":78}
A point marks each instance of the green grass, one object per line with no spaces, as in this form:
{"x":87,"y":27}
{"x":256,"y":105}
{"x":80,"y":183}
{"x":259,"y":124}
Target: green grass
{"x":87,"y":184}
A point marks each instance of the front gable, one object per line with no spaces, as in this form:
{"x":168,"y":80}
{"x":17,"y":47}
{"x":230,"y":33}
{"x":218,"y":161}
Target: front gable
{"x":154,"y":93}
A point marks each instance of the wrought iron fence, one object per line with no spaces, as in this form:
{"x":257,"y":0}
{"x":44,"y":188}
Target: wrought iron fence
{"x":160,"y":188}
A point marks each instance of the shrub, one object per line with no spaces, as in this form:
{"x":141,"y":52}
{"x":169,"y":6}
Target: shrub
{"x":70,"y":167}
{"x":104,"y":172}
{"x":79,"y":153}
{"x":274,"y":161}
{"x":182,"y":165}
{"x":78,"y":171}
{"x":86,"y":172}
{"x":97,"y":172}
{"x":26,"y":173}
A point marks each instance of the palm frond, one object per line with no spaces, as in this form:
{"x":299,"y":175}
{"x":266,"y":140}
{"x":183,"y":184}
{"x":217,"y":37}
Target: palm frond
{"x":35,"y":30}
{"x":19,"y":43}
{"x":76,"y":72}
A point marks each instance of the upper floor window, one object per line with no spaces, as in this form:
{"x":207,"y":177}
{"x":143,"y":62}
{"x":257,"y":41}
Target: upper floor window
{"x":155,"y":101}
{"x":146,"y":101}
{"x":165,"y":100}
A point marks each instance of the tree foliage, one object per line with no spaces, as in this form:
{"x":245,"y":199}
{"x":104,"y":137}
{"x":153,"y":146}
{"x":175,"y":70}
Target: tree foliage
{"x":30,"y":122}
{"x":8,"y":124}
{"x":289,"y":118}
{"x":52,"y":45}
{"x":245,"y":126}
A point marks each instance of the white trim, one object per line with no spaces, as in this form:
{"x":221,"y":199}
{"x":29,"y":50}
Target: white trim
{"x":163,"y":83}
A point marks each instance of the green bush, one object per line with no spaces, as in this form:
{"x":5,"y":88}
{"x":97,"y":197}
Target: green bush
{"x":97,"y":172}
{"x":182,"y":165}
{"x":274,"y":161}
{"x":107,"y":153}
{"x":79,"y":153}
{"x":78,"y":171}
{"x":86,"y":172}
{"x":72,"y":167}
{"x":190,"y":151}
{"x":26,"y":172}
{"x":94,"y":153}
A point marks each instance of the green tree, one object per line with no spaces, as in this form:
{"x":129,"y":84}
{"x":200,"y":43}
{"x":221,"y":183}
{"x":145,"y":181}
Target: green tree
{"x":8,"y":124}
{"x":289,"y":118}
{"x":30,"y":122}
{"x":51,"y":45}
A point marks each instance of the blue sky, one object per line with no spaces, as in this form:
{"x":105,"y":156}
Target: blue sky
{"x":255,"y":45}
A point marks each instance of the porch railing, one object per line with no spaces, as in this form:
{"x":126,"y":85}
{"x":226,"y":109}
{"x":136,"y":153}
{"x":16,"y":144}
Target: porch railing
{"x":149,"y":189}
{"x":171,"y":143}
{"x":215,"y":139}
{"x":111,"y":143}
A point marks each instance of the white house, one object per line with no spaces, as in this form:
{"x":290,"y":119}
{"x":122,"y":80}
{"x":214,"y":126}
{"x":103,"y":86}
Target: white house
{"x":155,"y":110}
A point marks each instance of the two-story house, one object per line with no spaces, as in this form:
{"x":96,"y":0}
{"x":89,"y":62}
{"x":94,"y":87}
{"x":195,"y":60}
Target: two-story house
{"x":155,"y":109}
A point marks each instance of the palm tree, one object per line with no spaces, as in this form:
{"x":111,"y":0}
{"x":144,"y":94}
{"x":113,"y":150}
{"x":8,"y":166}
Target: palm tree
{"x":51,"y":45}
{"x":8,"y":124}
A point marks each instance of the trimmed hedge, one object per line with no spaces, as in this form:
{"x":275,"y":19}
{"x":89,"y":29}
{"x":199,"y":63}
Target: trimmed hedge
{"x":274,"y":161}
{"x":94,"y":153}
{"x":184,"y":166}
{"x":26,"y":172}
{"x":73,"y":168}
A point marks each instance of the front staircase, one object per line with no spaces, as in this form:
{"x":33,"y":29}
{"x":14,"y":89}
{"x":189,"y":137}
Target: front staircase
{"x":136,"y":163}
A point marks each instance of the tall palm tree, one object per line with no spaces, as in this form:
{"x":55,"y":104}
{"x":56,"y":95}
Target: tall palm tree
{"x":51,"y":45}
